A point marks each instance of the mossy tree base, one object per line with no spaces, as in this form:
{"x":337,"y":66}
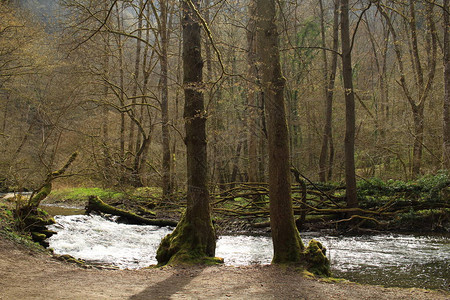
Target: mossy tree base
{"x":291,"y":250}
{"x":189,"y":244}
{"x":312,"y":260}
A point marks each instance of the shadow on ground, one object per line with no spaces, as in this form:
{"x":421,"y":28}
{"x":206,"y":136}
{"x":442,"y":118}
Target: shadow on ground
{"x":170,"y":286}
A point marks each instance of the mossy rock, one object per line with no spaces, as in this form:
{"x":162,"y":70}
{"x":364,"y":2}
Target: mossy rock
{"x":70,"y":259}
{"x":38,"y":236}
{"x":316,"y":259}
{"x":48,"y":233}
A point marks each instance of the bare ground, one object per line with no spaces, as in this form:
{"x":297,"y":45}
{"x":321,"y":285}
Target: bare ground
{"x":25,"y":274}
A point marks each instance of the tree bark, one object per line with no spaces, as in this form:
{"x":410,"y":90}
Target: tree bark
{"x":121,"y":84}
{"x":194,"y":239}
{"x":166,"y":159}
{"x":137,"y":65}
{"x":252,"y":115}
{"x":286,"y":238}
{"x":446,"y":112}
{"x":349,"y":142}
{"x":105,"y":128}
{"x":327,"y":151}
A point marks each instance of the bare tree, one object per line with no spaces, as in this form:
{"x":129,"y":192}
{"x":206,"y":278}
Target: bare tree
{"x":349,"y":143}
{"x":446,"y":111}
{"x":166,"y":160}
{"x":194,"y":237}
{"x":417,"y":90}
{"x":327,"y":150}
{"x":287,"y":243}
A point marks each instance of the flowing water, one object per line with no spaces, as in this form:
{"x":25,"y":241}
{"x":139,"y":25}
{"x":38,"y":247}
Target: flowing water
{"x":387,"y":259}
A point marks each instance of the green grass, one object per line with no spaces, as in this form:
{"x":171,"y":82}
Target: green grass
{"x":80,"y":195}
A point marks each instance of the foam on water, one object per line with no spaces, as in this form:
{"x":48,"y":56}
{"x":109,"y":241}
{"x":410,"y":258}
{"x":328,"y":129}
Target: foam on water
{"x":420,"y":261}
{"x":97,"y":239}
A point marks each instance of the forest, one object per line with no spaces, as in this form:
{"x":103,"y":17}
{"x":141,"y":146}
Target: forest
{"x":224,"y":115}
{"x":105,"y":79}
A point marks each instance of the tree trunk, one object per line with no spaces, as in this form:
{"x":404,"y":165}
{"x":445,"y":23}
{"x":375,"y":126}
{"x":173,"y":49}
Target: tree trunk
{"x":252,"y":115}
{"x":121,"y":93}
{"x":418,"y":118}
{"x":423,"y":87}
{"x":446,"y":112}
{"x":105,"y":128}
{"x":416,"y":109}
{"x":194,"y":239}
{"x":327,"y":152}
{"x":166,"y":159}
{"x":349,"y":142}
{"x":382,"y":111}
{"x":286,"y":238}
{"x":131,"y":136}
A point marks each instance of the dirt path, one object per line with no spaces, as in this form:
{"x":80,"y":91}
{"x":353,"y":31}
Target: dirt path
{"x":30,"y":275}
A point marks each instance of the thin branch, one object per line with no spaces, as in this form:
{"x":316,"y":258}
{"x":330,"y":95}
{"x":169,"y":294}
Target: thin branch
{"x":103,"y":23}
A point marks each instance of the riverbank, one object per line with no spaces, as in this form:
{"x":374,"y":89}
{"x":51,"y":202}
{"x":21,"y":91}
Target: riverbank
{"x":26,"y":274}
{"x":419,"y":206}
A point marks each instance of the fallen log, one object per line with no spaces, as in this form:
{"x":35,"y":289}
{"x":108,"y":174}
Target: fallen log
{"x":96,"y":204}
{"x":310,"y":220}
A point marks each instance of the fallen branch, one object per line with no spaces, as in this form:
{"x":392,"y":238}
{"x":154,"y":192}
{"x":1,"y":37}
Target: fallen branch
{"x":96,"y":204}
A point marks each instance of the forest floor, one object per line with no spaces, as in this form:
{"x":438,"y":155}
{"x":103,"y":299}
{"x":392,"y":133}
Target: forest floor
{"x":27,"y":274}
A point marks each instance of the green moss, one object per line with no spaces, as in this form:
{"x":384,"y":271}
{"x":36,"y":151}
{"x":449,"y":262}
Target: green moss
{"x":21,"y":239}
{"x":42,"y":212}
{"x":188,"y":244}
{"x":70,"y":259}
{"x":423,"y":220}
{"x":306,"y":273}
{"x":96,"y":204}
{"x":146,"y":192}
{"x":41,"y":195}
{"x":37,"y":220}
{"x":292,"y":252}
{"x":146,"y":211}
{"x":316,"y":260}
{"x":334,"y":280}
{"x":81,"y":195}
{"x":48,"y":233}
{"x":38,"y":237}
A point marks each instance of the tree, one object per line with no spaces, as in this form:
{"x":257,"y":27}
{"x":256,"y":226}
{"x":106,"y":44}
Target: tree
{"x":347,"y":74}
{"x":252,"y":115}
{"x":194,"y":237}
{"x":287,"y":243}
{"x":327,"y":150}
{"x":257,"y":135}
{"x":166,"y":162}
{"x":446,"y":111}
{"x":417,"y":89}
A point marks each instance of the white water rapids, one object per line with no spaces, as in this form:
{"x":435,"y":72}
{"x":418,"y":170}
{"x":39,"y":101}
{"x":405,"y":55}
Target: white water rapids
{"x":414,"y":260}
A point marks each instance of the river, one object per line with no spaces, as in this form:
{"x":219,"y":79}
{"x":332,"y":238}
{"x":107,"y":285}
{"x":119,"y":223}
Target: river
{"x":384,"y":259}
